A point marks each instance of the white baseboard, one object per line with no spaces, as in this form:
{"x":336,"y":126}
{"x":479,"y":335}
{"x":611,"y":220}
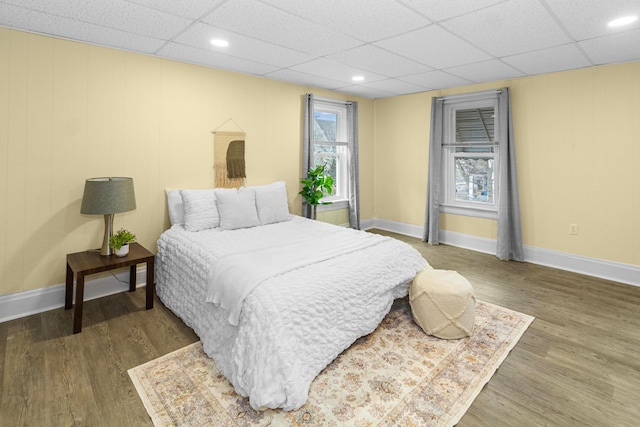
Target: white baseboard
{"x":396,"y":227}
{"x":21,"y":304}
{"x":610,"y":270}
{"x":14,"y":306}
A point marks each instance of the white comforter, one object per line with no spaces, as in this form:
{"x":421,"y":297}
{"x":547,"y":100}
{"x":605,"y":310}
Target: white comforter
{"x":293,"y":325}
{"x":234,"y":276}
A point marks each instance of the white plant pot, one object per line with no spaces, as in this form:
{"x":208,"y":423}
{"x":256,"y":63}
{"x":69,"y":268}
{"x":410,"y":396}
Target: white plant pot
{"x":123,"y":251}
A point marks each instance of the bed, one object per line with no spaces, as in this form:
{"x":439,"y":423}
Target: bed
{"x":288,"y":319}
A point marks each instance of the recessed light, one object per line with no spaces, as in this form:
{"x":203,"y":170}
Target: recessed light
{"x":357,"y":78}
{"x":623,"y":21}
{"x":219,"y":42}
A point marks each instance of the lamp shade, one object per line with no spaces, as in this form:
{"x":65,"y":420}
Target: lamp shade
{"x":110,"y":195}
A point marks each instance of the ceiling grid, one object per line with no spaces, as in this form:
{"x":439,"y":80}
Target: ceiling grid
{"x":397,"y":46}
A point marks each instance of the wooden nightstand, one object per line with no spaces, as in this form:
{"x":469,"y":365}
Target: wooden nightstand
{"x":90,"y":262}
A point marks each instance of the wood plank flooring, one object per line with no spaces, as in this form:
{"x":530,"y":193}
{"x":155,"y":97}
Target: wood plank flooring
{"x":577,"y":365}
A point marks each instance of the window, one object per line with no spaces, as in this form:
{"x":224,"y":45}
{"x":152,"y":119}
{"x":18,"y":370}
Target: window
{"x":330,"y":139}
{"x":330,"y":146}
{"x":470,"y":158}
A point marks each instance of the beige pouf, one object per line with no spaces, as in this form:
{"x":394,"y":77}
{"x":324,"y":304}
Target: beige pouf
{"x":442,"y":303}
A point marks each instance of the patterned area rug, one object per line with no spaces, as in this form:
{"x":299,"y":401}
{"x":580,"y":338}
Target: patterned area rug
{"x":397,"y":375}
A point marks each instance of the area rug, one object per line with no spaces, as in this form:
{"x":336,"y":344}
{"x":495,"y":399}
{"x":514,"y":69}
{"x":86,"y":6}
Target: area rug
{"x":397,"y":375}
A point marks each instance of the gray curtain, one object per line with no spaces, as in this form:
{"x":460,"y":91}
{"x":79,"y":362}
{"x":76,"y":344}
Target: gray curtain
{"x":509,"y":230}
{"x":354,"y":169}
{"x":432,"y":211}
{"x":509,"y":245}
{"x":307,"y":150}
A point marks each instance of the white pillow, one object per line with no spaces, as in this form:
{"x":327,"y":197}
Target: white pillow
{"x":272,"y":203}
{"x":174,"y":204}
{"x":237,"y":209}
{"x":200,"y":211}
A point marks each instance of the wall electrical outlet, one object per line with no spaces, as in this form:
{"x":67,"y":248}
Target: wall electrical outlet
{"x":573,"y":229}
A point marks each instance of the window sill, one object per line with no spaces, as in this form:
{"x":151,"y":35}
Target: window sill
{"x":469,"y":211}
{"x":335,"y":205}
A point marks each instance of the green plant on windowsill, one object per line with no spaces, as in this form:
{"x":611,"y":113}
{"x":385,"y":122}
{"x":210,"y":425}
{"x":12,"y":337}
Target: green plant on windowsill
{"x":121,"y":238}
{"x":316,"y":186}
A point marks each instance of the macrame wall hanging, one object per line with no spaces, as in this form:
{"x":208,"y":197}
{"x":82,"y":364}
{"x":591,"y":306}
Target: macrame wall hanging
{"x":228,"y":158}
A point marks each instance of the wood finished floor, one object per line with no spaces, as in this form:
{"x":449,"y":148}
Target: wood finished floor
{"x":578,"y":364}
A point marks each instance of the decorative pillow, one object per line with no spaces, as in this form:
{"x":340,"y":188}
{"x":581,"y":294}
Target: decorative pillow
{"x":272,"y":203}
{"x":237,"y":209}
{"x":174,"y":204}
{"x":200,"y":211}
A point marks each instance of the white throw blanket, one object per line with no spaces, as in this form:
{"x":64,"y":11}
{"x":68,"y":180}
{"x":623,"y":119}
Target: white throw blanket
{"x":234,"y":276}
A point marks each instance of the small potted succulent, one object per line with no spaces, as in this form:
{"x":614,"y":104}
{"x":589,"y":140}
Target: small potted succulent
{"x":119,"y":242}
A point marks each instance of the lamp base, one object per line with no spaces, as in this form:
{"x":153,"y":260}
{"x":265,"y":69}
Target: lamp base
{"x":108,"y":232}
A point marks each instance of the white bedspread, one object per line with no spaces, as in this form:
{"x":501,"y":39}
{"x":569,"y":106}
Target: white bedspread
{"x":234,"y":276}
{"x":292,"y":325}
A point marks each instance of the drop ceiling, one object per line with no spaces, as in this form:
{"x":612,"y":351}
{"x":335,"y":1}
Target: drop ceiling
{"x":398,"y":46}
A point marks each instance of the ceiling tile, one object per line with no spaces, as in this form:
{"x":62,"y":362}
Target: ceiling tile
{"x":395,"y":86}
{"x":380,"y":61}
{"x":586,"y":21}
{"x":188,"y":9}
{"x":621,"y":47}
{"x":550,"y":60}
{"x":436,"y":80}
{"x":365,"y":91}
{"x":240,"y":46}
{"x":335,"y":70}
{"x":115,"y":14}
{"x":486,"y":71}
{"x":293,"y":76}
{"x":364,"y":20}
{"x":45,"y":23}
{"x":434,"y":47}
{"x":266,"y":23}
{"x":509,"y":28}
{"x":212,"y":59}
{"x":439,"y":10}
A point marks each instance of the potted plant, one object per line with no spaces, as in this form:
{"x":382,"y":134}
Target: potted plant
{"x":316,"y":186}
{"x":119,"y":242}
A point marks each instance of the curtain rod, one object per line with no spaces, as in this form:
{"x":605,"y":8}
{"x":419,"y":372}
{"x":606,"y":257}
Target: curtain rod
{"x":470,"y":95}
{"x":332,"y":101}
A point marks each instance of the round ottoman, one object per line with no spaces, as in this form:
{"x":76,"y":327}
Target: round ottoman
{"x":442,"y":303}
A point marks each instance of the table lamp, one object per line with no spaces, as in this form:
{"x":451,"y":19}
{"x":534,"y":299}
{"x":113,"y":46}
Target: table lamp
{"x":108,"y":196}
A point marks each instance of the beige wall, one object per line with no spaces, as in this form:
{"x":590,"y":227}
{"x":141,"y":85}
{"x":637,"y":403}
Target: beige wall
{"x":577,"y":139}
{"x":335,"y":216}
{"x":71,"y":111}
